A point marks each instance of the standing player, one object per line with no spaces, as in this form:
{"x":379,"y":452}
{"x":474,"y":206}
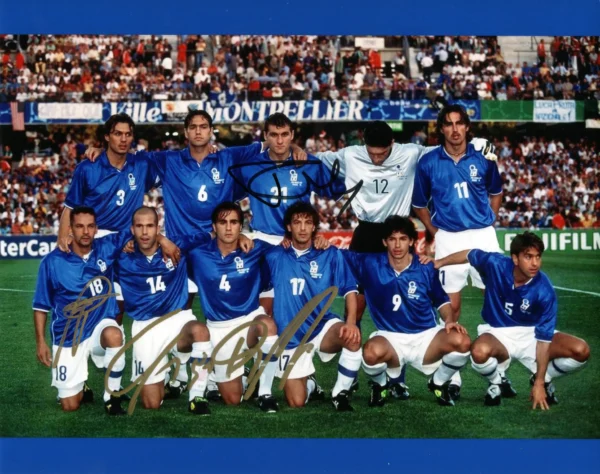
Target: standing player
{"x":520,"y":310}
{"x":465,"y":190}
{"x":63,"y":280}
{"x":275,"y":181}
{"x":298,"y":274}
{"x":382,"y":173}
{"x":155,"y":288}
{"x":229,"y":283}
{"x":401,"y":295}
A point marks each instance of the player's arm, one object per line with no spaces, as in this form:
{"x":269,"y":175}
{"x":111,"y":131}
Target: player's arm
{"x":346,"y":284}
{"x":42,"y":348}
{"x":495,"y":203}
{"x":75,"y":197}
{"x":421,"y":196}
{"x":538,"y":391}
{"x":493,"y":183}
{"x":334,"y":158}
{"x":544,"y":332}
{"x":457,"y":258}
{"x":64,"y":230}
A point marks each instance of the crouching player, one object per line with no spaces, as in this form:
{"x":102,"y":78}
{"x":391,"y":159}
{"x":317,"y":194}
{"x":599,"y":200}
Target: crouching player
{"x":229,"y":284}
{"x":298,"y":274}
{"x":402,"y":294}
{"x":65,"y":281}
{"x":520,"y":311}
{"x":153,"y":288}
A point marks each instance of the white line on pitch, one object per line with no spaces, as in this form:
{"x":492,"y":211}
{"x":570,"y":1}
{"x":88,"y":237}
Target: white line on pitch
{"x":577,"y":291}
{"x":16,"y":291}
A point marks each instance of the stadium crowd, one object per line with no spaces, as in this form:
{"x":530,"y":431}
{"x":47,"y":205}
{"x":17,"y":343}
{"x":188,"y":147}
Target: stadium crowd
{"x":547,"y":183}
{"x":78,"y":68}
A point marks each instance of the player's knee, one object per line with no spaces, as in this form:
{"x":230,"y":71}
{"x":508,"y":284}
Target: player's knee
{"x":232,"y":399}
{"x":113,"y":336}
{"x":199,"y":332}
{"x":269,"y":323}
{"x":371,"y":354}
{"x":151,"y":403}
{"x":480,"y":352}
{"x":70,"y":404}
{"x":581,"y":351}
{"x":461,"y":342}
{"x":353,"y":346}
{"x":295,"y":400}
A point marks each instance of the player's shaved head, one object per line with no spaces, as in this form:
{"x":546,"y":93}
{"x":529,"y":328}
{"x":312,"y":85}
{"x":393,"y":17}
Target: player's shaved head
{"x":145,"y":211}
{"x":525,"y":241}
{"x":378,"y":134}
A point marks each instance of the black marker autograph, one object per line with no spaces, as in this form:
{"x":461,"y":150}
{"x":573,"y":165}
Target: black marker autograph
{"x":335,"y":171}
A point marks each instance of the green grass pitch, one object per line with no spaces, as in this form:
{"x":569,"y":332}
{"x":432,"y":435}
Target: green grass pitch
{"x":28,"y":406}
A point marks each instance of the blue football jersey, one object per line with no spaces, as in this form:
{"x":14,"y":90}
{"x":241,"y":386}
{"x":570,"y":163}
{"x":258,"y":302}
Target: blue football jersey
{"x":152,"y":287}
{"x":532,"y":304}
{"x":273,"y":187}
{"x":63,"y":276}
{"x":228,"y":286}
{"x":114,"y":194}
{"x":298,"y":279}
{"x":459,"y":191}
{"x":192,"y":190}
{"x":405,"y":302}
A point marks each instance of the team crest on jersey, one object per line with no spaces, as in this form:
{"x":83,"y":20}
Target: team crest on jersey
{"x":314,"y":270}
{"x":239,"y":265}
{"x":474,"y":174}
{"x":294,"y":178}
{"x":400,"y":172}
{"x":216,"y":176}
{"x":525,"y":305}
{"x":169,"y":265}
{"x":132,"y":184}
{"x":102,"y":265}
{"x":412,"y":289}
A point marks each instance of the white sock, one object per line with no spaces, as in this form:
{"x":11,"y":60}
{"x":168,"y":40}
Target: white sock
{"x":456,"y":379}
{"x":270,"y":367}
{"x":503,"y":367}
{"x":347,"y":370}
{"x":375,"y":372}
{"x":114,"y":379}
{"x":562,"y":366}
{"x":201,"y":352}
{"x":451,"y":364}
{"x":489,"y":369}
{"x":310,"y":388}
{"x":182,"y":374}
{"x":394,"y":373}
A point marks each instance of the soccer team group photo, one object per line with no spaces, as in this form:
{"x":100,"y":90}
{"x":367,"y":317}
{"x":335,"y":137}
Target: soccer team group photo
{"x":306,"y":236}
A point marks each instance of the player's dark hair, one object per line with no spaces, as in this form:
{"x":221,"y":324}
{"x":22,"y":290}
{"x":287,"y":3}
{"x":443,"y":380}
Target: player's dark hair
{"x":378,"y":134}
{"x":525,"y":241}
{"x":278,"y":120}
{"x":112,"y":122}
{"x":81,"y":210}
{"x":197,"y":113}
{"x":225,"y":208}
{"x":145,"y":210}
{"x":442,"y":118}
{"x":300,"y":208}
{"x":400,"y":224}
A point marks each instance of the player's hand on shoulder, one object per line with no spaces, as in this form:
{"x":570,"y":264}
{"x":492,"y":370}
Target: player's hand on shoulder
{"x":43,"y":354}
{"x":437,"y":264}
{"x":246,"y":244}
{"x":63,"y":243}
{"x":286,"y":243}
{"x":487,"y":148}
{"x":92,"y":153}
{"x":350,"y":334}
{"x":298,"y":153}
{"x":538,"y":396}
{"x":170,"y":251}
{"x":457,"y":327}
{"x":212,"y":149}
{"x":425,"y":259}
{"x":321,"y":243}
{"x":129,"y":247}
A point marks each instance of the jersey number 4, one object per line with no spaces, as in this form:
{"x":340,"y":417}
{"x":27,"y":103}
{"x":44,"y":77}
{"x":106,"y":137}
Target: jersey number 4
{"x":157,"y":286}
{"x":224,"y":285}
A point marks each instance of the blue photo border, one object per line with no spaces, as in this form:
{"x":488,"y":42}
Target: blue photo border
{"x":469,"y":17}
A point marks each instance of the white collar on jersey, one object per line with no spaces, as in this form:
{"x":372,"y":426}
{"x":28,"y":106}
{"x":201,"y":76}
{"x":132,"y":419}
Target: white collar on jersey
{"x":299,"y":253}
{"x":150,"y":257}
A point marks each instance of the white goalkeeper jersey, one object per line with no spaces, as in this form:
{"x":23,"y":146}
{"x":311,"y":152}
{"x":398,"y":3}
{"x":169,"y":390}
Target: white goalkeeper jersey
{"x":387,"y":189}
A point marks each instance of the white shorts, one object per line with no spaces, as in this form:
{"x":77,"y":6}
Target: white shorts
{"x":520,"y":342}
{"x":411,"y":348}
{"x":72,"y":371}
{"x":116,"y":287}
{"x":218,"y":331}
{"x":454,"y":277}
{"x":192,"y":287}
{"x":303,"y":367}
{"x":151,"y":344}
{"x":273,"y":240}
